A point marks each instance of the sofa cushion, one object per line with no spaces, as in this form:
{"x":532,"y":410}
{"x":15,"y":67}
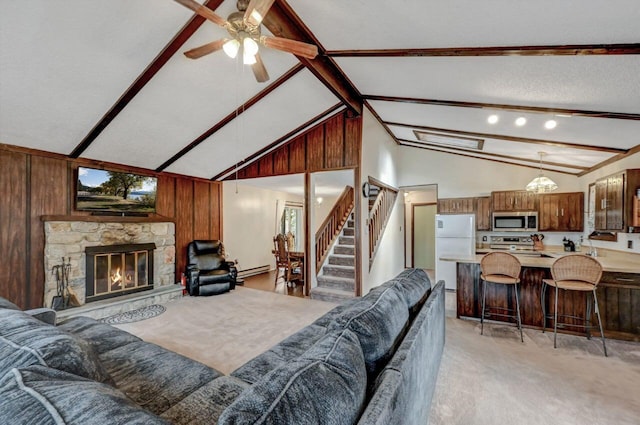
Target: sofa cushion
{"x":379,"y":320}
{"x":101,"y":336}
{"x":414,"y":285}
{"x":5,"y":303}
{"x":43,"y":396}
{"x":154,"y":377}
{"x":290,"y":348}
{"x":326,"y":385}
{"x":408,"y":381}
{"x":205,"y":405}
{"x":25,"y":340}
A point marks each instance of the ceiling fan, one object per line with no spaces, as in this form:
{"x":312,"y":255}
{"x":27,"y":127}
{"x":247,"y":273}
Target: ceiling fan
{"x":244,"y":32}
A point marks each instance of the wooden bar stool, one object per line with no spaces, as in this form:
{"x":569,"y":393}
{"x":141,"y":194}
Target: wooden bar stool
{"x":574,"y":273}
{"x":504,"y":269}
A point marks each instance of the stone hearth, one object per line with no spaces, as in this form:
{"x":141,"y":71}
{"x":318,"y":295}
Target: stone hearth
{"x":69,"y":239}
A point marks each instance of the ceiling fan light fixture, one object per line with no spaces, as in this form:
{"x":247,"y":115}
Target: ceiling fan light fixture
{"x":248,"y":59}
{"x":231,"y":48}
{"x":250,"y":46}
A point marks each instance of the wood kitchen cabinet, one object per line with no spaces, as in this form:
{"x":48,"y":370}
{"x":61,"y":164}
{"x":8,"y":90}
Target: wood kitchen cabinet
{"x":514,"y":200}
{"x":456,"y":206}
{"x":480,"y":206}
{"x":483,"y":212}
{"x":613,"y":203}
{"x":561,"y":212}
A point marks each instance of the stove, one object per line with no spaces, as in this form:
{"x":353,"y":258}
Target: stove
{"x":512,"y":243}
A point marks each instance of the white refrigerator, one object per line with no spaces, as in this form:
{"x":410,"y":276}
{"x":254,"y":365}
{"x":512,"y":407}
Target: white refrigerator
{"x":455,"y":236}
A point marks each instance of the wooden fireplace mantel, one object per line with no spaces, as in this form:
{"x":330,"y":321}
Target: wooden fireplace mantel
{"x":108,"y":218}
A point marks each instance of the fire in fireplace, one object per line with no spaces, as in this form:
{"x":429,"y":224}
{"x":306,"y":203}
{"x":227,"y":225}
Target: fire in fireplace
{"x":115,"y":270}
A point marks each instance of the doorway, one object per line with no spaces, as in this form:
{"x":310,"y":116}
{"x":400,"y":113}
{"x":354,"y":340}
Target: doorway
{"x":423,"y":236}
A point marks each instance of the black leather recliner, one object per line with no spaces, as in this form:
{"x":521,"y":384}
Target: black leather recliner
{"x":208,"y":272}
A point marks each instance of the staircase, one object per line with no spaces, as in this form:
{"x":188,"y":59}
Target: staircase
{"x":336,"y":282}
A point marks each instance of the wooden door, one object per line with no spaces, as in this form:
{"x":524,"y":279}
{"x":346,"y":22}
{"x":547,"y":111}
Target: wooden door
{"x":574,"y":213}
{"x":548,"y":218}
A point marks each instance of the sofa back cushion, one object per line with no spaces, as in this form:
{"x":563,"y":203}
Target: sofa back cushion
{"x":41,"y":395}
{"x":25,"y":340}
{"x":408,"y":381}
{"x":5,"y":303}
{"x":415,"y":286}
{"x":379,"y":321}
{"x":326,"y":385}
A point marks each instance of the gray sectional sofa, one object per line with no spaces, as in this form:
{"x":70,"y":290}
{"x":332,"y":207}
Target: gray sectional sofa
{"x":372,"y":360}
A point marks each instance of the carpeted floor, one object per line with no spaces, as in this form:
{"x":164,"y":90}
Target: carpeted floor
{"x":496,"y":379}
{"x":483,"y":379}
{"x":227,"y":330}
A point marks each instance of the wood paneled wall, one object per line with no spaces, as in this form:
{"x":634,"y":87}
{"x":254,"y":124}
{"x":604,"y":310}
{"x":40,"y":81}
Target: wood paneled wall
{"x":331,"y":145}
{"x":34,"y":184}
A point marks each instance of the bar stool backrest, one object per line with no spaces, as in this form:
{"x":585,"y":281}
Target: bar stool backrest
{"x":577,"y":267}
{"x":500,"y":263}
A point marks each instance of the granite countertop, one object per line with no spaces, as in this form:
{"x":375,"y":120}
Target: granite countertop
{"x":612,"y":261}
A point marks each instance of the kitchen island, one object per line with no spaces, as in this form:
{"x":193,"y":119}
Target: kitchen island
{"x":618,"y":293}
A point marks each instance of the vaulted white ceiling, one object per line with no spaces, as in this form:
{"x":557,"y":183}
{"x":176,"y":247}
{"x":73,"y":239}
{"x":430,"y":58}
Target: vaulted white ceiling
{"x":94,"y":79}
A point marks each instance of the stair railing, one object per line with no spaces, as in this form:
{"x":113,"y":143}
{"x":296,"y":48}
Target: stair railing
{"x":332,"y":225}
{"x":379,"y":216}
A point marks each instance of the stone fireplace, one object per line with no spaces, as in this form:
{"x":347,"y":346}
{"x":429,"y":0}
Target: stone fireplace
{"x":110,"y":257}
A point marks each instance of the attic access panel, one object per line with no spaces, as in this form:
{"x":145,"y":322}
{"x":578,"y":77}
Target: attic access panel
{"x":443,"y":140}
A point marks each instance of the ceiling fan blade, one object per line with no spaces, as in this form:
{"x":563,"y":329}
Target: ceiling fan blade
{"x":204,"y":11}
{"x":205,"y":49}
{"x":298,"y":48}
{"x":256,"y":11}
{"x":259,"y":71}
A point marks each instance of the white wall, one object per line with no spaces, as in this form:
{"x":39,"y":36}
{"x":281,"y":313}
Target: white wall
{"x":250,"y":223}
{"x":379,"y":160}
{"x":322,"y":210}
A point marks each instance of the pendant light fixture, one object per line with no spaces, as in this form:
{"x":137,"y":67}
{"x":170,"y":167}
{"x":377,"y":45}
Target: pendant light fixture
{"x":541,"y":184}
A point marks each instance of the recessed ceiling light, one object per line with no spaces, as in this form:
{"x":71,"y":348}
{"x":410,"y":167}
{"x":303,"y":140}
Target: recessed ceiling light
{"x":493,"y":119}
{"x":520,"y":121}
{"x":550,"y":124}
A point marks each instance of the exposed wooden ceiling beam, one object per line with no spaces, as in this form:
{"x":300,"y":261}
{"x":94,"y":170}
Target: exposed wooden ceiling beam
{"x":553,"y":50}
{"x":511,"y":138}
{"x":611,"y":160}
{"x":447,"y":149}
{"x":163,"y":57}
{"x":282,"y":21}
{"x":245,"y":162}
{"x":233,"y":115}
{"x":500,"y":106}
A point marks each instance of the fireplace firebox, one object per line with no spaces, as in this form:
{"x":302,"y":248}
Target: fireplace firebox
{"x":116,"y":270}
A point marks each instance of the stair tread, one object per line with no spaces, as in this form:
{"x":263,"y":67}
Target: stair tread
{"x":331,"y":291}
{"x":339,"y":266}
{"x":337,"y":278}
{"x":342,"y":255}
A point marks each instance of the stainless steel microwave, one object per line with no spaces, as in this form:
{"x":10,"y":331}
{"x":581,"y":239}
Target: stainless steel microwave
{"x":515,"y":221}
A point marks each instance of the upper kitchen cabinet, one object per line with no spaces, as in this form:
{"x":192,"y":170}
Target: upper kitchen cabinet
{"x":561,"y":212}
{"x":456,"y":206}
{"x":480,"y":206}
{"x":614,"y":200}
{"x":483,"y":213}
{"x":514,"y":200}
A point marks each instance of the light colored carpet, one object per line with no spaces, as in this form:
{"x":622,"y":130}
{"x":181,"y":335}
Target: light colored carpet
{"x":483,"y":380}
{"x":496,"y":379}
{"x":227,"y":330}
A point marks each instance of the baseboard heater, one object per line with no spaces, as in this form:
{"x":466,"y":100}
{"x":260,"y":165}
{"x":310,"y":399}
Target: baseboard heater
{"x":254,"y":271}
